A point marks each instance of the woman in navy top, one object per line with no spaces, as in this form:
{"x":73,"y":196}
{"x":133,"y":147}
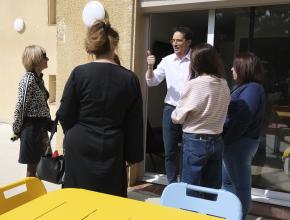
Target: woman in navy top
{"x":243,"y":126}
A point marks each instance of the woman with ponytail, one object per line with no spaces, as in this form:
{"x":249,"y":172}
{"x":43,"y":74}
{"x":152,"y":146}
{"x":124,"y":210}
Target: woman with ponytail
{"x":101,"y":115}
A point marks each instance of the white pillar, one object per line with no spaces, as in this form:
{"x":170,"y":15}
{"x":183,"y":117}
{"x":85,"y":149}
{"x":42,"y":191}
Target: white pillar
{"x":210,"y":27}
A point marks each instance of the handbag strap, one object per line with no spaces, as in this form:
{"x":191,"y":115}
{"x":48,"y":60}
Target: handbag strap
{"x":24,"y":98}
{"x":53,"y":129}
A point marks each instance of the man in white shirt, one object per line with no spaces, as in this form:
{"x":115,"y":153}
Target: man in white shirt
{"x":175,"y":69}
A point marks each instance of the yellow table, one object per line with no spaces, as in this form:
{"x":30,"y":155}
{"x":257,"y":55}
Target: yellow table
{"x":73,"y":204}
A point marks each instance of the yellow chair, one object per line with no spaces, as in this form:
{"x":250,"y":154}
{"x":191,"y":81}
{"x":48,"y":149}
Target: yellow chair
{"x":33,"y":189}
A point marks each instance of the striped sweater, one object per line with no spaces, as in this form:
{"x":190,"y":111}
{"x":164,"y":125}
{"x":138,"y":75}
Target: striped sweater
{"x":203,"y":105}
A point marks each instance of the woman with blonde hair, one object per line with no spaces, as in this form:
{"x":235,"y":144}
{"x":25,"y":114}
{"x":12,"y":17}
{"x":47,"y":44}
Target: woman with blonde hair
{"x":32,"y":115}
{"x":101,"y":115}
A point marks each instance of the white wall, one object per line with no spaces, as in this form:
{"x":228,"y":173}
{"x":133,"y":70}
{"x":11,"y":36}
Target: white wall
{"x":154,"y":6}
{"x":34,"y":13}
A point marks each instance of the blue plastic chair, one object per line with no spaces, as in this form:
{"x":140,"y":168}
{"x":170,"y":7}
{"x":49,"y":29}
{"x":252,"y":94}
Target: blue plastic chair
{"x":226,"y":206}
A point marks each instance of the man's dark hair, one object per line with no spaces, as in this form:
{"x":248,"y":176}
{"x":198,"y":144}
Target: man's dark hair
{"x":187,"y":32}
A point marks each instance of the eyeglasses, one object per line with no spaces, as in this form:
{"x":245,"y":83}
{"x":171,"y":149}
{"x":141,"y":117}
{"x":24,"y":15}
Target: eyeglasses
{"x":177,"y":41}
{"x":44,"y":56}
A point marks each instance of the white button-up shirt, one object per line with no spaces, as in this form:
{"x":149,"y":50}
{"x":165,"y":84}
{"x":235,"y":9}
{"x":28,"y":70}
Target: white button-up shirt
{"x":176,"y":72}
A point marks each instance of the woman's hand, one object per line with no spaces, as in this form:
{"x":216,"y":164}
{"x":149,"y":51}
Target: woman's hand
{"x":14,"y":137}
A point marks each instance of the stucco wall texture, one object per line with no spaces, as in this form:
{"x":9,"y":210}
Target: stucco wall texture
{"x":37,"y":31}
{"x":70,"y":43}
{"x":71,"y":33}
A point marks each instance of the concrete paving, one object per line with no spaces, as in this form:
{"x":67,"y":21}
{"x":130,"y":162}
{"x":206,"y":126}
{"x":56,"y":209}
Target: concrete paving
{"x":10,"y":169}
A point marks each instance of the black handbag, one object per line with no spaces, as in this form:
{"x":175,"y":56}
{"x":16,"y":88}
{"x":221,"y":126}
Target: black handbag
{"x":51,"y":169}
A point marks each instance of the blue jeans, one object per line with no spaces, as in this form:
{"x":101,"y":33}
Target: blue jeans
{"x":171,"y":136}
{"x":237,"y":178}
{"x":202,"y":160}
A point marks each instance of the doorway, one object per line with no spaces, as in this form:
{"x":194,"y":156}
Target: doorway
{"x":161,"y":31}
{"x":265,"y":31}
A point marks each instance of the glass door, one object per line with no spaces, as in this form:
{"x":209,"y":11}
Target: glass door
{"x":266,"y":32}
{"x":161,"y":30}
{"x":263,"y":30}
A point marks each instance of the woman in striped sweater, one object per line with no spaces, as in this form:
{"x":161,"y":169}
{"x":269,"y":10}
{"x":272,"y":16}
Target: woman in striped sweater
{"x":202,"y":110}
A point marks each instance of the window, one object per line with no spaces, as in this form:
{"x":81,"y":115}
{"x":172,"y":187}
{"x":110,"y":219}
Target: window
{"x":266,"y":32}
{"x":51,"y":12}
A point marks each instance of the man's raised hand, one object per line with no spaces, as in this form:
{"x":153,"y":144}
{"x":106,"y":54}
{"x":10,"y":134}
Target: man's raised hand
{"x":150,"y":59}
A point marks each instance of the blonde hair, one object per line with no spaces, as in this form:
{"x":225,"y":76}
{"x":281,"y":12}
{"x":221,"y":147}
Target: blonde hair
{"x":101,"y":38}
{"x":32,"y":57}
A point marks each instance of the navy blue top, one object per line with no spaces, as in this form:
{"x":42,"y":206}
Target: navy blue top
{"x":245,"y":113}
